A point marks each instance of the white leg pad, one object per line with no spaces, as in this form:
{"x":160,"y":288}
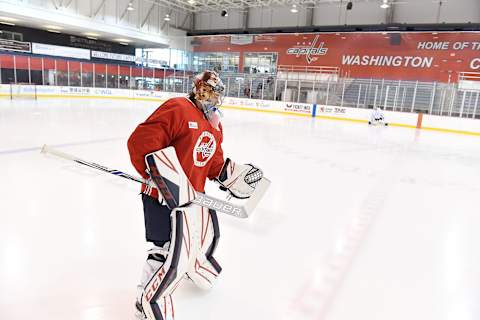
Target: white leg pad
{"x":189,"y":254}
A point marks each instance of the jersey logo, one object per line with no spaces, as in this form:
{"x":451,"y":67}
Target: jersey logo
{"x":204,"y":149}
{"x":192,"y":125}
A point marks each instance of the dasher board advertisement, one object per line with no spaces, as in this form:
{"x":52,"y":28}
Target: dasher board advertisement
{"x":17,"y":46}
{"x":60,"y":51}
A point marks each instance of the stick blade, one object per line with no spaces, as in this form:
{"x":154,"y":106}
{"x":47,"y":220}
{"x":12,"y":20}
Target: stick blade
{"x":257,"y":196}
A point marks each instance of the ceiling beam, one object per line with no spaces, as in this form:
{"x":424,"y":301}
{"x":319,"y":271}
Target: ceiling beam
{"x":102,"y":4}
{"x":55,"y":4}
{"x":68,"y":4}
{"x":148,"y":15}
{"x":349,"y":28}
{"x":125,"y":11}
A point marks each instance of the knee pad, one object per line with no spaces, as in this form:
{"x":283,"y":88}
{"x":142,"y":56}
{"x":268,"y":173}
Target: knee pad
{"x":195,"y":235}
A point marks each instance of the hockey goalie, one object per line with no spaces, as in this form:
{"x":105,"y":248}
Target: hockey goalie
{"x":176,"y":149}
{"x":377,"y":117}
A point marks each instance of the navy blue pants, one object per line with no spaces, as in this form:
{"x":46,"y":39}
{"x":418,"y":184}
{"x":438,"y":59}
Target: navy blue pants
{"x":158,"y":227}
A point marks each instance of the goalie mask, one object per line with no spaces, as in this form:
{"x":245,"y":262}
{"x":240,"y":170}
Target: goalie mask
{"x":208,"y":90}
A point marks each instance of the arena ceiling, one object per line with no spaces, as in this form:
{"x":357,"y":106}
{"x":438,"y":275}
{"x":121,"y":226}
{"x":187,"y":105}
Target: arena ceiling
{"x":218,"y":5}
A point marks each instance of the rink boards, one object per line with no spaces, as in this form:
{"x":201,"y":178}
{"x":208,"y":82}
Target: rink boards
{"x":400,"y":119}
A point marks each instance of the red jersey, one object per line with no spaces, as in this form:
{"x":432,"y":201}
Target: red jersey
{"x":179,"y":123}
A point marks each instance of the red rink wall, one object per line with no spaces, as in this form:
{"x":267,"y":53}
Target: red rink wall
{"x":398,"y":56}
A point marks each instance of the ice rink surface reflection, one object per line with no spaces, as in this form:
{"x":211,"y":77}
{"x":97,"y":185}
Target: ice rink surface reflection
{"x":360,"y":222}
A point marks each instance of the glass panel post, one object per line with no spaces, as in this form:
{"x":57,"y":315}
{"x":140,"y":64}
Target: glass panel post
{"x":174,"y":80}
{"x":298,"y":90}
{"x":263,"y":86}
{"x":228,"y":87}
{"x":476,"y":105}
{"x":29,"y":71}
{"x":381,"y":91}
{"x":250,"y":91}
{"x":452,"y":101}
{"x":414,"y":96}
{"x":432,"y":98}
{"x":470,"y":105}
{"x":367,"y":91}
{"x":397,"y":88}
{"x":442,"y":101}
{"x":328,"y":92}
{"x":275,"y":90}
{"x":359,"y":94}
{"x":164,"y":76}
{"x":404,"y":95}
{"x":15,"y":68}
{"x":463,"y":103}
{"x":385,"y":104}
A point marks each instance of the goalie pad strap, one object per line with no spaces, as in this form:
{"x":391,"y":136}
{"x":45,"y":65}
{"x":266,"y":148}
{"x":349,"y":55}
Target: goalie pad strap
{"x":213,"y":246}
{"x":172,"y":271}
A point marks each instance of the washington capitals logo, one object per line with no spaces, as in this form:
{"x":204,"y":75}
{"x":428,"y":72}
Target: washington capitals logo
{"x":311,"y":52}
{"x":204,"y":149}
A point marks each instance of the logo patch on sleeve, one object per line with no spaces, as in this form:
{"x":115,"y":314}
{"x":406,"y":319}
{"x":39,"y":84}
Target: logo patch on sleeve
{"x":192,"y":125}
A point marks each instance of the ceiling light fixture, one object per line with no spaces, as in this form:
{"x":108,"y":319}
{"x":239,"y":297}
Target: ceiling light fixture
{"x":130,"y":7}
{"x":224,"y":13}
{"x":7,"y":23}
{"x":8,"y":19}
{"x":192,"y":2}
{"x":294,"y":8}
{"x":54,"y":31}
{"x":385,"y":5}
{"x":167,"y":17}
{"x":92,"y":38}
{"x":124,"y":43}
{"x":51,"y":27}
{"x":91,"y":34}
{"x":122,"y":40}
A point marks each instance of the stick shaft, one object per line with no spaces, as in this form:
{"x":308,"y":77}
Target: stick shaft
{"x":47,"y":149}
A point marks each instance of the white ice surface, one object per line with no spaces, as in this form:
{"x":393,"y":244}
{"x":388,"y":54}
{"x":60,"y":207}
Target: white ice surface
{"x":360,"y":222}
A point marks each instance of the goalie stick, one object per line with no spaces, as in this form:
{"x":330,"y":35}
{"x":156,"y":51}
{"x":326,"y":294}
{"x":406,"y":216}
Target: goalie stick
{"x":202,"y":199}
